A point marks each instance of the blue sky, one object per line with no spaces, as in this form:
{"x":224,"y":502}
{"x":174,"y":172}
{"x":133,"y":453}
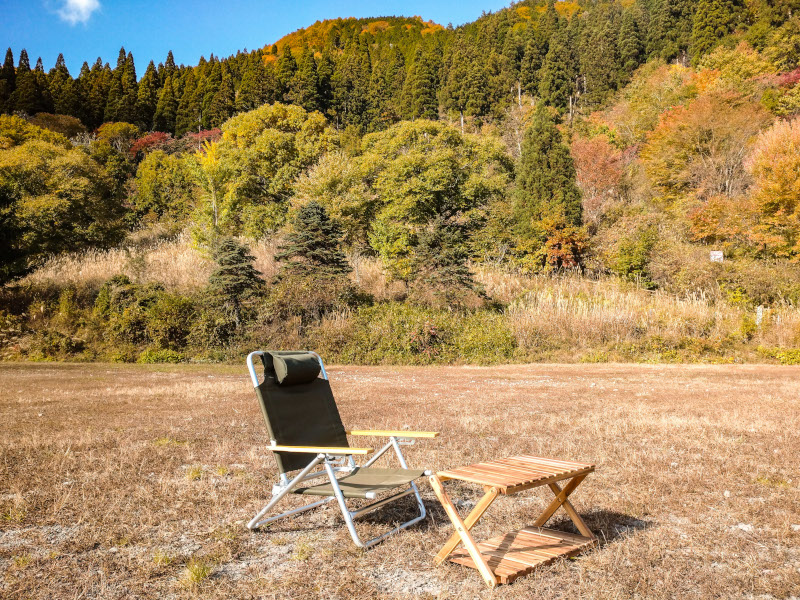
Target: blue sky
{"x":86,"y":29}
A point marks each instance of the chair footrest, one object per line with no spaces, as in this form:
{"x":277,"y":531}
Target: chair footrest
{"x":363,"y":481}
{"x":518,"y":553}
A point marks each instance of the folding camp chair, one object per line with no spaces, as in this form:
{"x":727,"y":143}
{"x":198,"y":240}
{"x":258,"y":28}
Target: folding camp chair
{"x":306,"y":431}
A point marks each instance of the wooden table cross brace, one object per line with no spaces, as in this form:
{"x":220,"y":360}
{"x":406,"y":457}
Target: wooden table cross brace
{"x":506,"y":557}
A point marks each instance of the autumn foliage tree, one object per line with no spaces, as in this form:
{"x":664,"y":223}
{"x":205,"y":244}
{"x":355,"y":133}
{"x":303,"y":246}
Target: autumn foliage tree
{"x":775,"y":166}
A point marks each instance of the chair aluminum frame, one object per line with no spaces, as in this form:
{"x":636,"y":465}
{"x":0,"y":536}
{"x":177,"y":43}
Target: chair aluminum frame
{"x":330,"y":466}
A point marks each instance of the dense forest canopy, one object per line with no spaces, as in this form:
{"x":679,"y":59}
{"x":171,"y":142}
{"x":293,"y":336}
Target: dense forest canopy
{"x":371,"y":73}
{"x":622,"y":137}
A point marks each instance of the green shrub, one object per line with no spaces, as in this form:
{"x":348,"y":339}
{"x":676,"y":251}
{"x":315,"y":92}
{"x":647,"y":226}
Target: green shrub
{"x":50,"y":344}
{"x":411,"y":334}
{"x":143,"y":314}
{"x":169,"y":319}
{"x":155,"y":355}
{"x":786,"y":356}
{"x":483,"y":337}
{"x":633,"y":255}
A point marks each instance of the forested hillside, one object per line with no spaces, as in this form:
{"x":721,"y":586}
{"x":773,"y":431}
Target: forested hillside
{"x":393,"y":171}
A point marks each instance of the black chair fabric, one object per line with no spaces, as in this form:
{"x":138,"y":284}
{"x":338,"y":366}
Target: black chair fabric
{"x":300,"y":414}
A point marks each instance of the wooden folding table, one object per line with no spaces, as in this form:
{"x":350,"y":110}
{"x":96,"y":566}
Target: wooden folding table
{"x":506,"y":557}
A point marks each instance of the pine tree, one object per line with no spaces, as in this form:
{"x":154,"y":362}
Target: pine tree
{"x":8,"y":82}
{"x":440,"y":265}
{"x":126,"y":110}
{"x":23,"y":99}
{"x":233,"y":279}
{"x":713,"y":20}
{"x":419,"y":92}
{"x":546,"y":187}
{"x":190,"y":107}
{"x":285,"y":72}
{"x":557,"y":75}
{"x":44,"y":101}
{"x":325,"y":69}
{"x":350,"y":86}
{"x":252,"y":92}
{"x":313,"y":249}
{"x":167,"y":69}
{"x":223,"y":104}
{"x":599,"y":60}
{"x":62,"y":89}
{"x":166,"y":109}
{"x":453,"y":94}
{"x":631,"y":48}
{"x":211,"y":85}
{"x":670,"y":30}
{"x":100,"y":81}
{"x":147,"y":98}
{"x":304,"y":87}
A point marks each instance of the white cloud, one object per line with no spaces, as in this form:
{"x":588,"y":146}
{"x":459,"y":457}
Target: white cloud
{"x":78,"y":11}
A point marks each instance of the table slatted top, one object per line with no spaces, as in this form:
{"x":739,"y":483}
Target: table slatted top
{"x":516,"y":473}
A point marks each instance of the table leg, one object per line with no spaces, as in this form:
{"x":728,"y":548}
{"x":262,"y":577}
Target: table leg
{"x":561,"y":500}
{"x":463,"y":532}
{"x":472,"y":518}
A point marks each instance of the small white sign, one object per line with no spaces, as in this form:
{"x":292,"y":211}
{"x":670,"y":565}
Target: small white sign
{"x":717,"y":256}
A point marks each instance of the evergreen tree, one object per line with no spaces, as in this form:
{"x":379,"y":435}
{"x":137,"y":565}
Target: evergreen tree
{"x":713,"y":20}
{"x":211,"y":85}
{"x":599,"y":60}
{"x":631,"y":47}
{"x":100,"y":77}
{"x":304,"y":87}
{"x":23,"y":98}
{"x":167,"y":69}
{"x":252,"y":90}
{"x":82,"y":87}
{"x":325,"y":69}
{"x":557,"y":75}
{"x":8,"y":82}
{"x":56,"y":79}
{"x":44,"y":101}
{"x":350,"y":85}
{"x":419,"y":92}
{"x":546,"y":187}
{"x":454,"y":91}
{"x":285,"y":72}
{"x":670,"y":30}
{"x":440,"y":265}
{"x":223,"y":104}
{"x":190,"y":107}
{"x":166,"y":109}
{"x":126,"y":110}
{"x":147,"y":98}
{"x":313,"y":247}
{"x":233,"y":279}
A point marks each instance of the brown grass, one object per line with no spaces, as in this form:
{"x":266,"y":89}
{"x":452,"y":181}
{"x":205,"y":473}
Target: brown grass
{"x":134,"y":481}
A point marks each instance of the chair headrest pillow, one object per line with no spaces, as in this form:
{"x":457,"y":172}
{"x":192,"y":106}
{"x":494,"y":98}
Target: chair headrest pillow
{"x":293,"y":369}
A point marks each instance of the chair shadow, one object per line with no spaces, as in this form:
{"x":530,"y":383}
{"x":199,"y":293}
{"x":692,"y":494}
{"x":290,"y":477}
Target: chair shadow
{"x":607,"y":525}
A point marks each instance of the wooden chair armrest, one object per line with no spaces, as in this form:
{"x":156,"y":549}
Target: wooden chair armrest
{"x":393,"y":433}
{"x":322,"y":450}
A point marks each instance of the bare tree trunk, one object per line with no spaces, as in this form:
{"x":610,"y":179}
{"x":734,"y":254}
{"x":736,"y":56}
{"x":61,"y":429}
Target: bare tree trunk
{"x":461,"y":112}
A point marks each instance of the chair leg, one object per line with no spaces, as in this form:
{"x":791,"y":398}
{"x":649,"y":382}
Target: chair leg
{"x":255,"y":521}
{"x":348,"y":515}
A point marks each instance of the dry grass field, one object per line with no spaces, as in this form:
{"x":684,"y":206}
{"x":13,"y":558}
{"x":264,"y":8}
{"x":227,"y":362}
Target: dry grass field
{"x":136,"y":481}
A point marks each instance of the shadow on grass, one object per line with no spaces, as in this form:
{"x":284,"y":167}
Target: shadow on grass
{"x":607,"y":525}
